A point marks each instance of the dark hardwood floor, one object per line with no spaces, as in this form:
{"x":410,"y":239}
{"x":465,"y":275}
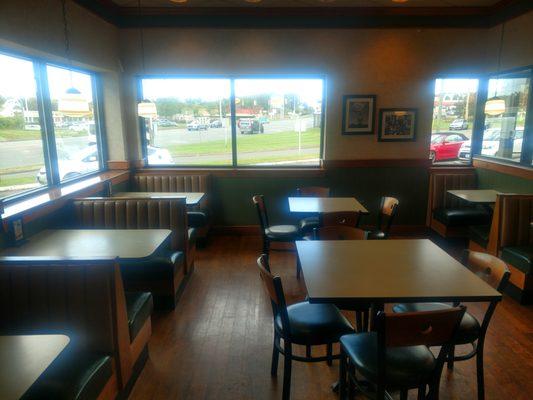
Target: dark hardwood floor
{"x":217,"y":343}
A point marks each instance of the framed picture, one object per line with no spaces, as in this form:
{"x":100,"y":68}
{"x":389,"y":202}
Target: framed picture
{"x":358,"y":114}
{"x":15,"y":232}
{"x":397,"y":125}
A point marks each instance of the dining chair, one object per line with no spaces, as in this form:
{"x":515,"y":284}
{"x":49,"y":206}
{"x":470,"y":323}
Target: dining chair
{"x":274,"y":233}
{"x":307,"y":224}
{"x":344,"y":218}
{"x":496,"y":273}
{"x":302,"y":324}
{"x":396,"y":357}
{"x":341,"y":232}
{"x":387,"y":212}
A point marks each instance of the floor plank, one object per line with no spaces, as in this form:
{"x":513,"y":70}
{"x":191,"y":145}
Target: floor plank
{"x":217,"y":343}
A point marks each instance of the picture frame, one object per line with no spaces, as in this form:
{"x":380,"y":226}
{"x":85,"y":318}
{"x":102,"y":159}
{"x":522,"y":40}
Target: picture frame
{"x":397,"y":124}
{"x":358,"y":114}
{"x":15,"y":232}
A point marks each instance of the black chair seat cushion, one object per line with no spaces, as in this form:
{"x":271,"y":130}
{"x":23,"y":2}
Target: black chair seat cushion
{"x":282,"y":233}
{"x":139,"y":306}
{"x":479,"y":234}
{"x":192,"y":234}
{"x":308,"y":224}
{"x":197,"y":219}
{"x":313,"y":324}
{"x":73,"y":375}
{"x":520,"y":257}
{"x":376,"y":235}
{"x":462,"y":216}
{"x":160,"y":267}
{"x":469,"y":329}
{"x":405,"y":366}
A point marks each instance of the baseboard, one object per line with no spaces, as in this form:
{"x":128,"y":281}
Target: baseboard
{"x":524,"y":297}
{"x":254,"y":230}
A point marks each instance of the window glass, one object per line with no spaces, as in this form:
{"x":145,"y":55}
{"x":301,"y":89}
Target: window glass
{"x":21,"y":147}
{"x":278,"y":121}
{"x":73,"y":113}
{"x":503,"y":135}
{"x":191,"y":124}
{"x":453,"y":119}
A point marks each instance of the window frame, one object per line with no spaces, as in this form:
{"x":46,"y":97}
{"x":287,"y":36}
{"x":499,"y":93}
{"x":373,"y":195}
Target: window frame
{"x":233,"y":120}
{"x":44,"y":105}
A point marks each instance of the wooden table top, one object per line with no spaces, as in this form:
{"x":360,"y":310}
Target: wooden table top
{"x":325,"y":204}
{"x":484,"y":196}
{"x":24,"y":358}
{"x":133,"y":244}
{"x":192,"y":198}
{"x":386,"y":271}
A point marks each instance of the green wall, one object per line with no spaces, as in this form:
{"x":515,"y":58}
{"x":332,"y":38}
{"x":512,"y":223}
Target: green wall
{"x":488,"y":179}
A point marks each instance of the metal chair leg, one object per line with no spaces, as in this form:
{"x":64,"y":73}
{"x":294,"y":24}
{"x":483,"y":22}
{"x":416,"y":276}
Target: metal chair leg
{"x":308,"y":351}
{"x":480,"y":374}
{"x":422,"y":392}
{"x":451,"y":357}
{"x":275,"y":357}
{"x":403,"y":394}
{"x":342,"y":376}
{"x":287,"y":365}
{"x":329,"y":350}
{"x":298,"y":268}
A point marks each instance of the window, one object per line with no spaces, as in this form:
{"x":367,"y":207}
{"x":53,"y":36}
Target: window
{"x":454,"y":110}
{"x":277,"y":121}
{"x":49,"y":125}
{"x":503,"y":135}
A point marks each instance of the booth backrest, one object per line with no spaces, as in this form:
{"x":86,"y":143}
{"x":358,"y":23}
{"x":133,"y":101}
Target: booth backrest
{"x":124,"y":213}
{"x":441,"y":182}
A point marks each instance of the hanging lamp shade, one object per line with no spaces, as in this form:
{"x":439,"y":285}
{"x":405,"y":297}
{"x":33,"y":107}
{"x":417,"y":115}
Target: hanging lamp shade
{"x":73,"y":104}
{"x":146,"y":109}
{"x":495,"y":106}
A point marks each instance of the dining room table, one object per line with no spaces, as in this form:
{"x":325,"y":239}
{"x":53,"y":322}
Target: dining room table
{"x":126,"y":244}
{"x":319,"y":205}
{"x":476,"y":196}
{"x":191,"y":198}
{"x":24,"y":358}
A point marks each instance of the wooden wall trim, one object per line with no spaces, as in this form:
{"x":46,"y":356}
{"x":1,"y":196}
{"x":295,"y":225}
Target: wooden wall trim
{"x":389,"y":162}
{"x":118,"y":165}
{"x":519,"y":171}
{"x":237,"y":172}
{"x":255,"y":230}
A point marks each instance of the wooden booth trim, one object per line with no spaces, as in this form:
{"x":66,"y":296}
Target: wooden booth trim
{"x":237,"y":172}
{"x":519,"y":171}
{"x":385,"y":162}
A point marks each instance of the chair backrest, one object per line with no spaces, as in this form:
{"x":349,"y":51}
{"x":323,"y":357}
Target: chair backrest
{"x":488,"y":267}
{"x":343,"y":218}
{"x":131,"y":213}
{"x":387,"y":212}
{"x":260,"y":206}
{"x":339,"y":232}
{"x":313,"y":191}
{"x":274,"y":289}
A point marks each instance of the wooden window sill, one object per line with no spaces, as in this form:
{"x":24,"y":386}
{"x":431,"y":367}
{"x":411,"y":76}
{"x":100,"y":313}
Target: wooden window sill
{"x":53,"y":199}
{"x":518,"y":170}
{"x":237,"y":172}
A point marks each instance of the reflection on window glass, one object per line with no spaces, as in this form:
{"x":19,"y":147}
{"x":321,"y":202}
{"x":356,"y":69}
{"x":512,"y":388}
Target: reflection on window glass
{"x":278,"y":121}
{"x":191,"y":124}
{"x":21,"y":149}
{"x":74,"y":122}
{"x":453,"y":120}
{"x":504,"y":125}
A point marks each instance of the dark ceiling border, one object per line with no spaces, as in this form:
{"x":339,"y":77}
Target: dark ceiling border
{"x":308,"y":17}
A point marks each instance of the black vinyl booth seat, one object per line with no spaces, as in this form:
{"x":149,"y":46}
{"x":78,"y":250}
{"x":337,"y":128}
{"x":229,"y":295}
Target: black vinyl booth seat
{"x":307,"y":224}
{"x":139,"y":306}
{"x":520,"y":257}
{"x":74,"y":375}
{"x":162,"y":266}
{"x":479,"y":234}
{"x":465,"y":216}
{"x":197,"y":219}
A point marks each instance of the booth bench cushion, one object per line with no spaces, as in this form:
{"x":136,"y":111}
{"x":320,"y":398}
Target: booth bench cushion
{"x":479,"y":234}
{"x":461,"y":216}
{"x":197,"y":219}
{"x":73,"y":375}
{"x":520,"y":257}
{"x":161,"y":267}
{"x":139,"y":306}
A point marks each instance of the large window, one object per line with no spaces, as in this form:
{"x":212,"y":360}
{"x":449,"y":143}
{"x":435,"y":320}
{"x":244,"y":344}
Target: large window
{"x":49,"y":125}
{"x":276,"y":121}
{"x":454,"y":110}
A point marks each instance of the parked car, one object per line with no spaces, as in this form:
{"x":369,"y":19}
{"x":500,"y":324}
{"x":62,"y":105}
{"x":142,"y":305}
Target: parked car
{"x":445,"y":146}
{"x":216,"y":123}
{"x":196,"y":126}
{"x":491,"y":144}
{"x":165,"y":123}
{"x":250,"y":126}
{"x":459,"y":125}
{"x":86,"y":160}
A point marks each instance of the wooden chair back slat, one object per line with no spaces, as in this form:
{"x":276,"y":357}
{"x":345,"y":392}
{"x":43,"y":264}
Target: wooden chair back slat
{"x":260,"y":205}
{"x":342,"y":218}
{"x":313,"y":191}
{"x":268,"y":280}
{"x":339,"y":233}
{"x":428,"y":328}
{"x":488,"y":267}
{"x":389,"y":205}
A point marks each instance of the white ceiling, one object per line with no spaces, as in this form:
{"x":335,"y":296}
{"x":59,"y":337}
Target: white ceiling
{"x":308,"y":3}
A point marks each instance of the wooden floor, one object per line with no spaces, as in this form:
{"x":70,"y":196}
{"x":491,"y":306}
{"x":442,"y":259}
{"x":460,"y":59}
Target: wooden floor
{"x":217,"y":343}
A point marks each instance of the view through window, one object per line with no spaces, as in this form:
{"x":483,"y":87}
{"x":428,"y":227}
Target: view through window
{"x":453,"y":120}
{"x":277,"y":121}
{"x":21,"y":147}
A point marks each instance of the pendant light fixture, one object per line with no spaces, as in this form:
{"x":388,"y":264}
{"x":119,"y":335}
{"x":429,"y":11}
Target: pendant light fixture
{"x":72,"y":103}
{"x":496,"y":105}
{"x":145,"y":108}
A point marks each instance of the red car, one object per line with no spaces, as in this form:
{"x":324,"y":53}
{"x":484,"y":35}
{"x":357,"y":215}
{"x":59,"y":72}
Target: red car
{"x":446,"y":145}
